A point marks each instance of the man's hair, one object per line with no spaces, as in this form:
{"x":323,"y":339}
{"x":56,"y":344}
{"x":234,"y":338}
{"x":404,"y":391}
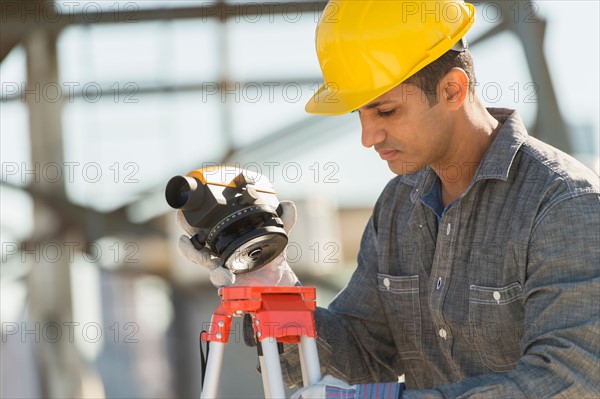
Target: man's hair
{"x":428,"y":78}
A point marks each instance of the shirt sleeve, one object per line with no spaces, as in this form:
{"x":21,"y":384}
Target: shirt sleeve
{"x":561,"y":345}
{"x":353,"y":337}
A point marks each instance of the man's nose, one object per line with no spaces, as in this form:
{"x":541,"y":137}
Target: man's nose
{"x":372,"y":133}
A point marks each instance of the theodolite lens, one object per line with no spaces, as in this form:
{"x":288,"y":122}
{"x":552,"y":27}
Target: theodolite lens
{"x":179,"y":190}
{"x":184,"y":194}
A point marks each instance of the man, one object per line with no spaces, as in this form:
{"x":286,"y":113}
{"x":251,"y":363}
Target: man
{"x":478,"y":273}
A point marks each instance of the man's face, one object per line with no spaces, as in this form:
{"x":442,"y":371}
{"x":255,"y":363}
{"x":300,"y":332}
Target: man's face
{"x":405,"y":130}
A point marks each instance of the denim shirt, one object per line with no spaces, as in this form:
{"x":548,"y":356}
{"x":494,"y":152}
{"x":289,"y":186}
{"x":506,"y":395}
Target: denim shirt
{"x":501,"y":301}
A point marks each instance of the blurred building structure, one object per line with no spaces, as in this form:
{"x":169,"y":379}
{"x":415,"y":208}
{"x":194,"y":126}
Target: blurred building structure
{"x":102,"y":102}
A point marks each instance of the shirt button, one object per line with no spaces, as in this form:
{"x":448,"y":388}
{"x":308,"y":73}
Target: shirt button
{"x":386,"y":282}
{"x":448,"y":229}
{"x":497,"y":296}
{"x":443,"y":333}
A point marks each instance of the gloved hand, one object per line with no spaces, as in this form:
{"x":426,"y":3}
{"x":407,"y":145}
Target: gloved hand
{"x":330,"y":387}
{"x":275,"y":273}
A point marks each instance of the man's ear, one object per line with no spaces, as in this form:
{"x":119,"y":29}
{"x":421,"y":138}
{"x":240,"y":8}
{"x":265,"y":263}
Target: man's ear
{"x":454,"y":88}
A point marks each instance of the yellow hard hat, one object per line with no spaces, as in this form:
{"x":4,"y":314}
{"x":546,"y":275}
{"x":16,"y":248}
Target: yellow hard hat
{"x":367,"y":47}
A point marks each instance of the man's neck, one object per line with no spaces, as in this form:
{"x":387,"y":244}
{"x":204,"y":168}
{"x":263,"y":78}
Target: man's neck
{"x":473,"y":135}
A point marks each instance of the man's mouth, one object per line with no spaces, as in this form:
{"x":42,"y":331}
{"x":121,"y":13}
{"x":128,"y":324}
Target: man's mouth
{"x":387,"y":154}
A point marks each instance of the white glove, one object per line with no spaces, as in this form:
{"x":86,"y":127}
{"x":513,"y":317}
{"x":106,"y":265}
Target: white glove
{"x":275,"y":273}
{"x":319,"y":390}
{"x":330,"y":387}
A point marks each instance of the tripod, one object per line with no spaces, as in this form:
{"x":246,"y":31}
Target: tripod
{"x":279,"y":315}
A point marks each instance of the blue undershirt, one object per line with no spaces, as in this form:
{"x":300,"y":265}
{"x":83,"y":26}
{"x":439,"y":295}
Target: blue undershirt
{"x":433,"y":200}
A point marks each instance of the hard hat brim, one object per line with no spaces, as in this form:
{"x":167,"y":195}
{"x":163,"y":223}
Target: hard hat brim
{"x":325,"y":102}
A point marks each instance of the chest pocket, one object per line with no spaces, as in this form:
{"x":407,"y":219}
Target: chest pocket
{"x":400,"y":297}
{"x":496,"y":323}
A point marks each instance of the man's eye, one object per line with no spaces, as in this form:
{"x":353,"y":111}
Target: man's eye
{"x":385,"y":114}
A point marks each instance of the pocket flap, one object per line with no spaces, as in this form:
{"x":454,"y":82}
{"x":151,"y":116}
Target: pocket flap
{"x":494,"y":295}
{"x":398,"y":284}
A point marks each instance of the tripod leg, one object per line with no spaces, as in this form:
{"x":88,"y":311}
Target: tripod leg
{"x":265,"y":377}
{"x":210,"y":385}
{"x":309,"y":361}
{"x":273,"y":368}
{"x":305,"y":382}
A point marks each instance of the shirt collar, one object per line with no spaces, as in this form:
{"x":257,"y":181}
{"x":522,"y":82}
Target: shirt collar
{"x":497,"y":160}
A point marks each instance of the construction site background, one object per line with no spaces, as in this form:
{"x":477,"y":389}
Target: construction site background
{"x":103,"y":101}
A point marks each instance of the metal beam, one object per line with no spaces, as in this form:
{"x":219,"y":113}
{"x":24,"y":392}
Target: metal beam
{"x":550,"y":125}
{"x":49,"y":284}
{"x":20,"y":17}
{"x":73,"y":216}
{"x":210,"y":88}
